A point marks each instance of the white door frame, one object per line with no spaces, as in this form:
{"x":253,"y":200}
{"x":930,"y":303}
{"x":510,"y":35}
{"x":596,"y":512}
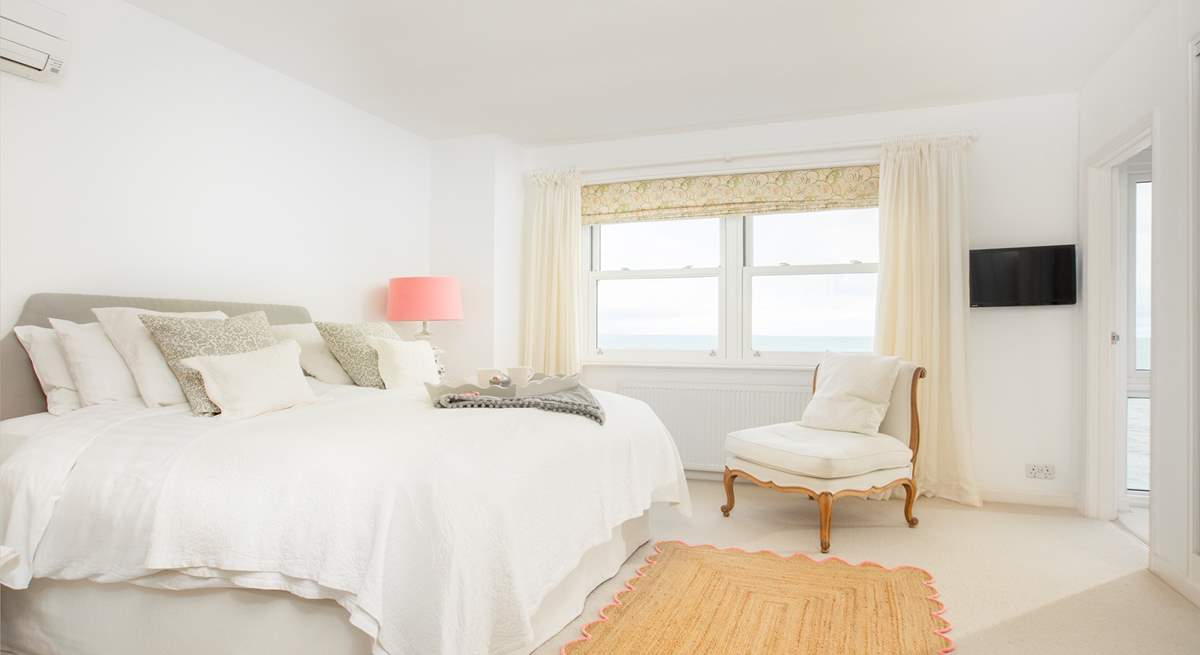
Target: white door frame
{"x":1193,"y":213}
{"x":1136,"y":384}
{"x":1103,"y":250}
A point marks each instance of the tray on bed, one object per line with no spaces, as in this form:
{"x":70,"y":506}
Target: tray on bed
{"x":538,"y":386}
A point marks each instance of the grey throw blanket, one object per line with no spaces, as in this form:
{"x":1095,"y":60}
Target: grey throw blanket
{"x":577,"y":400}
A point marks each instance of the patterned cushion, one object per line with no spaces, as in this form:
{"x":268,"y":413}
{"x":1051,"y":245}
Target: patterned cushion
{"x":179,"y":338}
{"x":351,"y":347}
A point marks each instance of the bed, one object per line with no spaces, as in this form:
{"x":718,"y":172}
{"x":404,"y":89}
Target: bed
{"x":360,"y":524}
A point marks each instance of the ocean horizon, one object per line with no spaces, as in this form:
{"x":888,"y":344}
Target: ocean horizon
{"x":706,"y":342}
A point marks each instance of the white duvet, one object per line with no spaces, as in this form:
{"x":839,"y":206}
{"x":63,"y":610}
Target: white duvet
{"x":440,"y":531}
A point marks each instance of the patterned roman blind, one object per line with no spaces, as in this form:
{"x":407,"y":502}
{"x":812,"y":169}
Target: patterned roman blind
{"x":813,"y":189}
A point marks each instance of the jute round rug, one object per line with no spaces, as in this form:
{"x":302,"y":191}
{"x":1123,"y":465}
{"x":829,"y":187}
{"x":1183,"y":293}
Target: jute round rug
{"x":702,"y":599}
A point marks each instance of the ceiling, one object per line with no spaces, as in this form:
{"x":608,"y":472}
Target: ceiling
{"x":544,"y":71}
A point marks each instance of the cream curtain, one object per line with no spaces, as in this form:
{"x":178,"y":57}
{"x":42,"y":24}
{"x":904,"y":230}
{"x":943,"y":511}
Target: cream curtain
{"x":550,"y":277}
{"x":922,"y":305}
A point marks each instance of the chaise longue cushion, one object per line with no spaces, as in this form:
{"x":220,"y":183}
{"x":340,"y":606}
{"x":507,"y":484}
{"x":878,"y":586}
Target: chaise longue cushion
{"x":793,"y":448}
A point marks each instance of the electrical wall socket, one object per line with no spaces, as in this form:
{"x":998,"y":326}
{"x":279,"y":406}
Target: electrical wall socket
{"x":1039,"y":471}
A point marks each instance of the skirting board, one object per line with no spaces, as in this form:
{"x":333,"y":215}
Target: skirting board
{"x":1069,"y":501}
{"x":1039,"y":499}
{"x":1176,"y":579}
{"x":705,"y":475}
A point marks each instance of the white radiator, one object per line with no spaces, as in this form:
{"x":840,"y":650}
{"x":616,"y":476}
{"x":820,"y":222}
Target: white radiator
{"x":700,"y":415}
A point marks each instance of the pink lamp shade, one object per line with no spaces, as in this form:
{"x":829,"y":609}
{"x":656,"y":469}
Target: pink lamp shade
{"x":424,"y":299}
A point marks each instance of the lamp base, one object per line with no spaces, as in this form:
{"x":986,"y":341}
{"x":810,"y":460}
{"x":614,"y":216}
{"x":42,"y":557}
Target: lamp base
{"x":424,"y":334}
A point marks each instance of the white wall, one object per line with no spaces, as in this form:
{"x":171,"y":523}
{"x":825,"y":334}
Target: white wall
{"x":475,"y":237}
{"x":166,"y":165}
{"x":1148,"y":77}
{"x":506,"y":269}
{"x":1024,"y":389}
{"x":461,"y":245}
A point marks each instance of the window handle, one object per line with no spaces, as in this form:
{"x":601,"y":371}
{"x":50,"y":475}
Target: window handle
{"x":757,"y":354}
{"x":712,"y":353}
{"x":784,"y":264}
{"x":688,"y":266}
{"x":599,"y":351}
{"x":855,"y":261}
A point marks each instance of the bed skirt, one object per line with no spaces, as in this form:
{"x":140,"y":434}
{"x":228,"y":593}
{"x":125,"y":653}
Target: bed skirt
{"x":87,"y":618}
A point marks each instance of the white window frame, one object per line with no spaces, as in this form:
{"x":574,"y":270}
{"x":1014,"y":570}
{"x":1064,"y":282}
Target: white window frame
{"x":591,"y":241}
{"x":749,"y":272}
{"x":735,"y":277}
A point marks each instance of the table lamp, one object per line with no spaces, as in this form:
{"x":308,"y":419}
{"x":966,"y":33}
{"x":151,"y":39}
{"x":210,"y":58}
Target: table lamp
{"x":424,"y":299}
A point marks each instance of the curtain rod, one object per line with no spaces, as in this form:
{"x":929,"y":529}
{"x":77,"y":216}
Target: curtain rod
{"x":728,"y":158}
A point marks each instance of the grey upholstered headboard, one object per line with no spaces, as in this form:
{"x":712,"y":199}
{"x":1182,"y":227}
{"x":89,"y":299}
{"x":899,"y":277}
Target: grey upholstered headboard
{"x":20,"y":393}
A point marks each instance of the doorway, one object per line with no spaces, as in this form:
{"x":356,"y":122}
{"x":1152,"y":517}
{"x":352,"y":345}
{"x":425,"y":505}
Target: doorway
{"x":1133,"y":337}
{"x":1112,"y":380}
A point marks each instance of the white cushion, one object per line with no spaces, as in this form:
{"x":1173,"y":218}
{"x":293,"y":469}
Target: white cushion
{"x":852,"y":394}
{"x":256,"y":382}
{"x":155,"y":381}
{"x":50,"y":365}
{"x":862,"y":482}
{"x":100,"y":374}
{"x":315,"y":355}
{"x":406,"y":366}
{"x":793,"y":448}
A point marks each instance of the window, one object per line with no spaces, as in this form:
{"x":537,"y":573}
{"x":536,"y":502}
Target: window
{"x":765,"y":288}
{"x":1141,"y":274}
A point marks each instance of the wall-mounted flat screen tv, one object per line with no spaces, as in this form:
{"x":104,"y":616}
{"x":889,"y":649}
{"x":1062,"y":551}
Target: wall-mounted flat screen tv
{"x":1007,"y":277}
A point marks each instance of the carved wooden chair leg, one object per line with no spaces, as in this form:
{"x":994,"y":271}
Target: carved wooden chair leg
{"x":825,"y":506}
{"x":729,"y":478}
{"x":910,"y":496}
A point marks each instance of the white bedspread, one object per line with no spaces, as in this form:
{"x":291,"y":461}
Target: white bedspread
{"x":440,"y":531}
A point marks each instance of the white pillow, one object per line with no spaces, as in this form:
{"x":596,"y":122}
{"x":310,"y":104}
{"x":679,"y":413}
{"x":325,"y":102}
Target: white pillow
{"x":50,"y":365}
{"x":100,"y":374}
{"x":155,"y":381}
{"x":406,"y":365}
{"x":315,"y":356}
{"x":853,"y":393}
{"x":256,"y":382}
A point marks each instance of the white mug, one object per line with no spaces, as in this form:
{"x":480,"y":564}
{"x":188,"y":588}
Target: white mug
{"x":486,"y":375}
{"x":520,"y":375}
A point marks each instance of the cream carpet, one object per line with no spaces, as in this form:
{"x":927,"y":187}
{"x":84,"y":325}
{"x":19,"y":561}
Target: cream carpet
{"x":1014,"y":579}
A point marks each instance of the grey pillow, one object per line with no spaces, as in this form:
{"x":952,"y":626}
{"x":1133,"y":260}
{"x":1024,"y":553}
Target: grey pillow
{"x":349,"y":345}
{"x":179,"y":338}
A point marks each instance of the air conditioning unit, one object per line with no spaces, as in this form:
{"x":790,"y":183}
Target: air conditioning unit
{"x":32,"y":40}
